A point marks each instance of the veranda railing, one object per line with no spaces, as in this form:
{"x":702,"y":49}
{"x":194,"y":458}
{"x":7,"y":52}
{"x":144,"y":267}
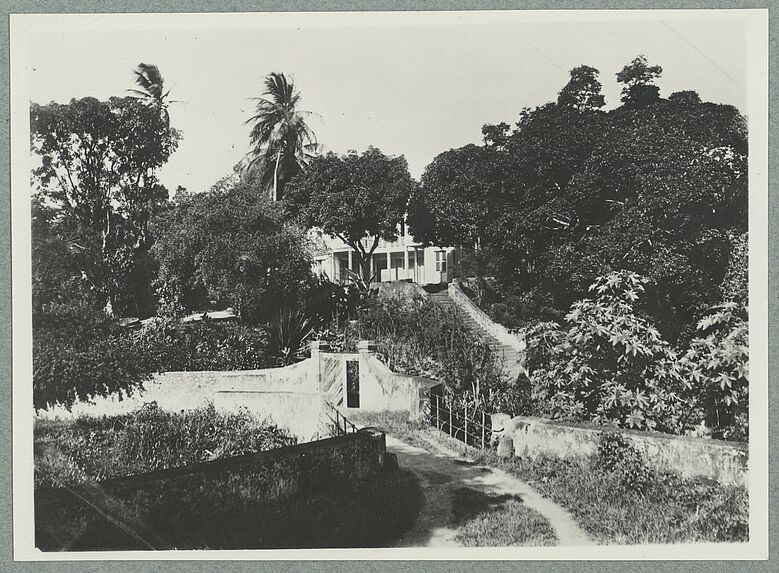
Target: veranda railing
{"x":470,"y":425}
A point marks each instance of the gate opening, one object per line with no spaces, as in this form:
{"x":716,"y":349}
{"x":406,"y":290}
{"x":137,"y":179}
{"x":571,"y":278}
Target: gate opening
{"x":352,"y":384}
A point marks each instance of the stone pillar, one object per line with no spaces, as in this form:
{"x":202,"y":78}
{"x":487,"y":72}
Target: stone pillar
{"x":389,"y":265}
{"x":317,"y":347}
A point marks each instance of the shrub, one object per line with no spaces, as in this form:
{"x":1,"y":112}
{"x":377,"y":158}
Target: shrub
{"x":718,"y":366}
{"x":611,"y":366}
{"x":79,"y":354}
{"x":202,"y":345}
{"x":618,"y":456}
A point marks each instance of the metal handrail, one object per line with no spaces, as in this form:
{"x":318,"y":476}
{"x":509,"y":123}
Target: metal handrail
{"x":478,"y":429}
{"x":340,"y":420}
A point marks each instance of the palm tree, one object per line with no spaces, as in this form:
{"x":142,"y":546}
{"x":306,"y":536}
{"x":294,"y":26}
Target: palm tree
{"x":282,"y":142}
{"x":152,"y":92}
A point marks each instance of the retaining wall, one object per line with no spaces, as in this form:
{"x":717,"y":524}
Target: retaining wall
{"x":154,"y":506}
{"x":724,"y":462}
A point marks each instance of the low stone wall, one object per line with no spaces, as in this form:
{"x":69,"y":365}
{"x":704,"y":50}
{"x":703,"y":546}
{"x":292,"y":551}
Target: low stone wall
{"x":177,"y":391}
{"x":155,"y":505}
{"x":724,"y":462}
{"x":482,"y":319}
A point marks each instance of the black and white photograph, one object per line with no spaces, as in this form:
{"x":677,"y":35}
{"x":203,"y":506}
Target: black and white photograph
{"x":390,"y":285}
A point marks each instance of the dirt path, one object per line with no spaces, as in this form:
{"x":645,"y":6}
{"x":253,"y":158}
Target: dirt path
{"x":443,"y":472}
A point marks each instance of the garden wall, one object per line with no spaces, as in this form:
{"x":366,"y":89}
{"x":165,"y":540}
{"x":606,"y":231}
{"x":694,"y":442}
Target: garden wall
{"x":154,"y":510}
{"x":301,"y":413}
{"x":281,"y":394}
{"x":724,"y":462}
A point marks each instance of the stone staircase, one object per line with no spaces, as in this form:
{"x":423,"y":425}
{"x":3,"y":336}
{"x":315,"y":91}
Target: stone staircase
{"x":512,"y":357}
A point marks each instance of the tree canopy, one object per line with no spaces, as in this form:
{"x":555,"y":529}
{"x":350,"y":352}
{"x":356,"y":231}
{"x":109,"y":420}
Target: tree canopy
{"x":229,"y":247}
{"x":356,"y":198}
{"x":570,"y":193}
{"x":98,"y":164}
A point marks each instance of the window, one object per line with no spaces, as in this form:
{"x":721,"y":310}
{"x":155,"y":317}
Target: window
{"x":440,"y":261}
{"x":412,"y":259}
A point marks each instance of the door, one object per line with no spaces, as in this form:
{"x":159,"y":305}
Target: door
{"x":440,"y":265}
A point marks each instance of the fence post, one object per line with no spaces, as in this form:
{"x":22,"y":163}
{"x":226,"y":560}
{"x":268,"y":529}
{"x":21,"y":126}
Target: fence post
{"x":482,"y":429}
{"x":465,"y":415}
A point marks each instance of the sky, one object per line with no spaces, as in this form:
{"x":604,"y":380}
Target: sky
{"x":412,"y":84}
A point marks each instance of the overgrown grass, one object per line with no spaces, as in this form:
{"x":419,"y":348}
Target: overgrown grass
{"x":607,"y":503}
{"x":90,"y":448}
{"x":485,"y":520}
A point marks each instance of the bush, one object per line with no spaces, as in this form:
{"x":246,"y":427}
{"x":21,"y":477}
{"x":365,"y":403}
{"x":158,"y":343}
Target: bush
{"x":171,"y":345}
{"x":90,"y":449}
{"x":618,"y":456}
{"x":79,"y":354}
{"x":611,"y":366}
{"x":718,"y":366}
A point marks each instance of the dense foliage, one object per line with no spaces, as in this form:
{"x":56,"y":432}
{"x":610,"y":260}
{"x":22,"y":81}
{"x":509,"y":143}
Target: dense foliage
{"x":79,"y":354}
{"x":229,"y":248}
{"x":90,"y":449}
{"x":97,"y":178}
{"x":569,"y":193}
{"x":608,"y":364}
{"x":170,"y":345}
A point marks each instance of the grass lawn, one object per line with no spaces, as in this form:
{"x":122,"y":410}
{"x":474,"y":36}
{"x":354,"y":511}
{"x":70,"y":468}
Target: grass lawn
{"x":669,"y":509}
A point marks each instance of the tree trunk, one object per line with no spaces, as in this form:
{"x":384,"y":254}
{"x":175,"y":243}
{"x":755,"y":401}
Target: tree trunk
{"x":365,"y":266}
{"x":275,"y":196}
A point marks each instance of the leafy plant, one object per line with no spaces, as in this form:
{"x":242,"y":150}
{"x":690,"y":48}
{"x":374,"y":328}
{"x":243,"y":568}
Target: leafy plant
{"x":79,"y":354}
{"x":610,"y":365}
{"x":717,"y":363}
{"x":620,"y":457}
{"x":290,"y":329}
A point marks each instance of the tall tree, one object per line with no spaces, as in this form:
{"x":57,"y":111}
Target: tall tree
{"x":459,"y":196}
{"x":582,"y":92}
{"x":638,"y":77}
{"x":356,"y":198}
{"x":282,"y":142}
{"x":230,"y":247}
{"x":98,"y":165}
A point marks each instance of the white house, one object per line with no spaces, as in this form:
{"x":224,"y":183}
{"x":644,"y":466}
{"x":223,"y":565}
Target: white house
{"x":404,"y":259}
